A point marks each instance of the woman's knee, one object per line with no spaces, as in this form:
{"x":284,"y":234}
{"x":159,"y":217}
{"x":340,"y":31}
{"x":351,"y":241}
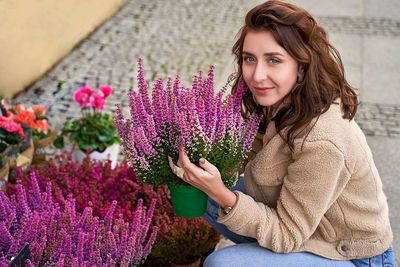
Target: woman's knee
{"x":217,"y":259}
{"x":236,"y":255}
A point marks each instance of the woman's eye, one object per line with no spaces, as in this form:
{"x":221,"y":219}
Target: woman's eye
{"x":249,"y":59}
{"x":273,"y":60}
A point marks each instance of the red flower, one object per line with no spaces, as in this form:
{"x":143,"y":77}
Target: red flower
{"x":25,"y":117}
{"x":42,"y":126}
{"x":18,"y":108}
{"x":38,"y":110}
{"x":11,"y":126}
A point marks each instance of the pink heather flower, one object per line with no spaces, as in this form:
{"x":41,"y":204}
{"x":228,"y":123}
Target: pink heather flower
{"x":106,"y":90}
{"x":98,"y":101}
{"x":143,"y":88}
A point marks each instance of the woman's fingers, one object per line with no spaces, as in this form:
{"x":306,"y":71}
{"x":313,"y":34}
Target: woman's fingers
{"x":171,"y":164}
{"x":208,"y":167}
{"x":178,"y":171}
{"x":190,"y":173}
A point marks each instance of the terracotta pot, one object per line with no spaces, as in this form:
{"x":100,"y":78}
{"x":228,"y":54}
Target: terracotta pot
{"x":193,"y":264}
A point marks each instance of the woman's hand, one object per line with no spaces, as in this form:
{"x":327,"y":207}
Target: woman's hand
{"x":206,"y":178}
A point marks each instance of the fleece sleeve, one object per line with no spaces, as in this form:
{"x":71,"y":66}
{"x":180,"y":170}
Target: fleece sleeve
{"x":316,"y":177}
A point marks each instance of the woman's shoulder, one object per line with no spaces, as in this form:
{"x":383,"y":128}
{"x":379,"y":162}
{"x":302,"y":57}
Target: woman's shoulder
{"x":330,"y":126}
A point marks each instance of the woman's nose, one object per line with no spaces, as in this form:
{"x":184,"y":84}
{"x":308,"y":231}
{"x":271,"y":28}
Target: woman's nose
{"x":260,"y":72}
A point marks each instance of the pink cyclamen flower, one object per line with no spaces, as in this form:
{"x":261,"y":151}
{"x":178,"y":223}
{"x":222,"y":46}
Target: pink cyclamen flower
{"x":82,"y":95}
{"x":98,"y":101}
{"x":106,"y":90}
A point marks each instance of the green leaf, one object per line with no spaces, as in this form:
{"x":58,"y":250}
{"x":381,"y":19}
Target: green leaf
{"x":59,"y":142}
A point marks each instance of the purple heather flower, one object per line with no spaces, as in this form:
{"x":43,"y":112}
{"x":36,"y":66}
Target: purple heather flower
{"x":60,"y":262}
{"x":5,"y":237}
{"x":59,"y":236}
{"x":143,"y":88}
{"x":109,"y":215}
{"x":21,"y":196}
{"x":3,"y":213}
{"x":28,"y":263}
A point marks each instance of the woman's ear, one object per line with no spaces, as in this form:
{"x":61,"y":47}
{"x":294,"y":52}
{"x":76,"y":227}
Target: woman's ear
{"x":300,"y":73}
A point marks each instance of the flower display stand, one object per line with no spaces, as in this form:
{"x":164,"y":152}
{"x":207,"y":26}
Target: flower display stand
{"x":188,"y":201}
{"x":4,"y":175}
{"x":39,"y":155}
{"x":22,"y":162}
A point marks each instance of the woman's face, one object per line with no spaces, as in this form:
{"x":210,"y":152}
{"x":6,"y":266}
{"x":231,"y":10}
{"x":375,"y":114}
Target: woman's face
{"x":268,"y":70}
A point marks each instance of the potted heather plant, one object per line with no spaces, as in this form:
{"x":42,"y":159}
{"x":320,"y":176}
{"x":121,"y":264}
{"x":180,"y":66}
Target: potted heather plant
{"x":183,"y":242}
{"x":207,"y":125}
{"x":94,"y":130}
{"x":59,"y":236}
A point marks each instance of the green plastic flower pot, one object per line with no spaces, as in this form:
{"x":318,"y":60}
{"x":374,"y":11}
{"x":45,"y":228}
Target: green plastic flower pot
{"x":188,"y":201}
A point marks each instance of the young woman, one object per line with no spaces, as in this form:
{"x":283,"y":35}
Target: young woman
{"x":311,"y":194}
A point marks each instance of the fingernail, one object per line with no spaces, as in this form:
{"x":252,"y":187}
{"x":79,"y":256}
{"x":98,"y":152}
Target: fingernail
{"x":169,"y":158}
{"x":202,"y":161}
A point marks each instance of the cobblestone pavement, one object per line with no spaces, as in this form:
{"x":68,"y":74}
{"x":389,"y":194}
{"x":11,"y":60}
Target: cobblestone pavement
{"x":182,"y":39}
{"x":178,"y":39}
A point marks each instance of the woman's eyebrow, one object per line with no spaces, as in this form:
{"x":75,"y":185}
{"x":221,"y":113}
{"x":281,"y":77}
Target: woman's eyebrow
{"x":265,"y":54}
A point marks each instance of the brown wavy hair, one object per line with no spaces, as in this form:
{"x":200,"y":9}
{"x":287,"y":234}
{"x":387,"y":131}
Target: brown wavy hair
{"x":320,"y":64}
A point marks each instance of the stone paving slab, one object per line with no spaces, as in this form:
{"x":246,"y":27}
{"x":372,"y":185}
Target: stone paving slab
{"x":381,"y":77}
{"x":386,"y":157}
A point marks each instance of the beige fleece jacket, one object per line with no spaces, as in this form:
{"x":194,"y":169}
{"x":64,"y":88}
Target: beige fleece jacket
{"x":325,"y":197}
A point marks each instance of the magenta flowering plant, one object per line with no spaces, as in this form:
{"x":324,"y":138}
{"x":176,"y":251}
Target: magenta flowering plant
{"x":86,"y":97}
{"x":60,"y":236}
{"x":94,"y":130}
{"x":206,"y":124}
{"x":94,"y":181}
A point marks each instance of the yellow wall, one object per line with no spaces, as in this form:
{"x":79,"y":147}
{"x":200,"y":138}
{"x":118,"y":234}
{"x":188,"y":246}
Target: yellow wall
{"x":35,"y":35}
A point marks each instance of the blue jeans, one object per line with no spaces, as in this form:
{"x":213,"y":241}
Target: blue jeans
{"x":248,"y":253}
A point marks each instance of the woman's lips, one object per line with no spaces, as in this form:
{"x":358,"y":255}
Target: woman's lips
{"x":263,"y":89}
